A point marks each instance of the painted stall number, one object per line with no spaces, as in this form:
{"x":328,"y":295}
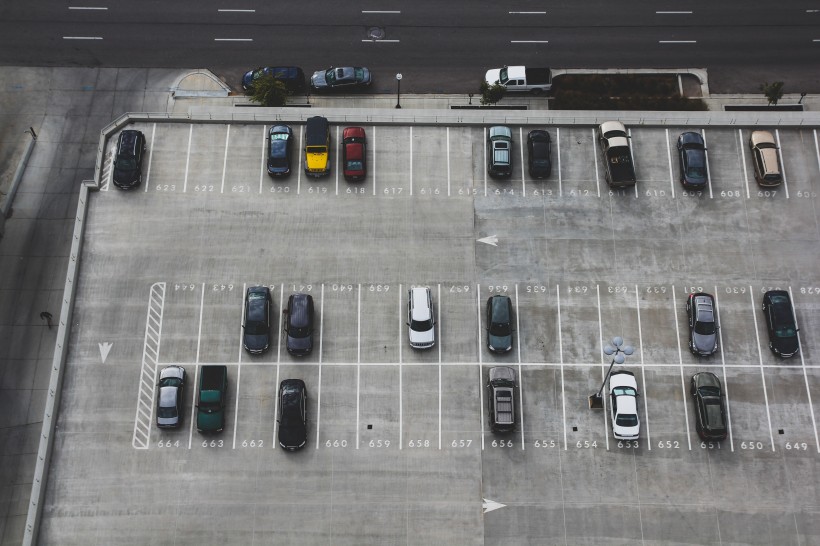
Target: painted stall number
{"x":544,"y":443}
{"x":302,"y":287}
{"x":537,"y":289}
{"x":735,"y":289}
{"x":751,"y":445}
{"x":169,"y":443}
{"x":656,"y":290}
{"x":710,"y":445}
{"x":799,"y":446}
{"x":222,"y":287}
{"x":418,"y":443}
{"x":577,"y":289}
{"x":240,"y":189}
{"x":183,"y":287}
{"x":459,"y":289}
{"x":393,"y":191}
{"x":497,"y":288}
{"x":669,"y":444}
{"x":767,"y":193}
{"x":253,"y":443}
{"x":166,"y":187}
{"x":586,"y":444}
{"x":342,"y":287}
{"x":628,"y":444}
{"x":502,"y":443}
{"x":468,"y":191}
{"x":320,"y":189}
{"x":730,"y":193}
{"x":379,"y":288}
{"x":204,"y":187}
{"x":336,"y":443}
{"x":379,"y":443}
{"x":461,"y":443}
{"x":815,"y":290}
{"x":280,"y":189}
{"x":213,"y":443}
{"x":355,"y":189}
{"x":691,"y":193}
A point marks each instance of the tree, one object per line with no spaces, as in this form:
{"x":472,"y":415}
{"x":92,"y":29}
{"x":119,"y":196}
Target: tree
{"x":491,"y":94}
{"x":268,"y":91}
{"x":772,"y":91}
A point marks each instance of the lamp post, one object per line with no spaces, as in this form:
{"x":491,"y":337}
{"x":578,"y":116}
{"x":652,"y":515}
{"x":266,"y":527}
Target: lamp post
{"x":398,"y":90}
{"x":617,"y":350}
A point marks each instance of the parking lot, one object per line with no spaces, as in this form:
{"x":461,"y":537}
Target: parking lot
{"x":399,"y":450}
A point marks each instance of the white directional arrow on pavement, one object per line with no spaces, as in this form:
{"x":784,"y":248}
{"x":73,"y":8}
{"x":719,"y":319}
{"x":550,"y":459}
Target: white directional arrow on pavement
{"x":490,"y":240}
{"x":104,"y":349}
{"x":490,"y":505}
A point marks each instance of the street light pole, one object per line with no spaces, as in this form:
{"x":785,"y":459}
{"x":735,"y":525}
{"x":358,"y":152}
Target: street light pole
{"x":398,"y":90}
{"x":617,"y":350}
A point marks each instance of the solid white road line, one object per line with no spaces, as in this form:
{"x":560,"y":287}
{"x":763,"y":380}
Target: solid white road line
{"x":725,"y":382}
{"x":529,"y":41}
{"x":225,"y":160}
{"x":816,"y":148}
{"x":677,"y":41}
{"x":373,"y":155}
{"x":239,"y":360}
{"x":680,"y":359}
{"x":643,"y":371}
{"x":673,"y":12}
{"x":762,"y":375}
{"x":632,"y":155}
{"x":523,"y":170}
{"x":411,"y":160}
{"x":401,"y":401}
{"x":263,"y":166}
{"x":319,"y":388}
{"x":188,"y":157}
{"x":485,"y":162}
{"x":82,"y":37}
{"x":381,"y":11}
{"x":520,"y":375}
{"x":595,"y":162}
{"x":603,"y":363}
{"x":706,"y":156}
{"x":233,"y":39}
{"x":338,"y":154}
{"x":561,"y":360}
{"x":480,"y":378}
{"x":358,"y":358}
{"x":669,"y":160}
{"x":154,"y":132}
{"x":299,"y":170}
{"x":281,"y":326}
{"x":275,"y":410}
{"x":448,"y":161}
{"x":199,"y":332}
{"x":236,"y":10}
{"x":89,"y":8}
{"x":558,"y":155}
{"x":528,"y":13}
{"x":743,"y":161}
{"x":438,"y":306}
{"x":782,"y":165}
{"x":193,"y":407}
{"x":805,"y":377}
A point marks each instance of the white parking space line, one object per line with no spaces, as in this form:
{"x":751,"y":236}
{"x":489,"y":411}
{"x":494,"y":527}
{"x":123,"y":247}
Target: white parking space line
{"x":484,"y":168}
{"x":196,"y":367}
{"x":263,"y":166}
{"x":603,"y":364}
{"x":339,"y":146}
{"x":520,"y":375}
{"x":725,"y":382}
{"x":448,"y":161}
{"x":239,"y":359}
{"x":643,"y":371}
{"x":281,"y":326}
{"x":669,"y":159}
{"x":188,"y":157}
{"x":480,"y":379}
{"x":632,"y":155}
{"x":523,"y":170}
{"x":193,"y":407}
{"x":805,"y":377}
{"x":401,"y":400}
{"x":782,"y":165}
{"x":680,"y":359}
{"x":706,"y":156}
{"x":411,"y":160}
{"x":373,"y":163}
{"x":358,"y":358}
{"x":558,"y":155}
{"x":438,"y":307}
{"x":275,"y":410}
{"x":595,"y":162}
{"x":151,"y":154}
{"x":743,"y":161}
{"x":762,"y":375}
{"x":225,"y":160}
{"x":319,"y":388}
{"x":561,"y":360}
{"x":299,"y":170}
{"x":816,"y":149}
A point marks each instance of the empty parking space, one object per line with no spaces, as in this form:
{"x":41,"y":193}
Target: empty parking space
{"x":181,"y":322}
{"x":255,"y":403}
{"x":341,"y":322}
{"x":380,"y":319}
{"x":421,"y":398}
{"x":457,"y":329}
{"x":586,"y":429}
{"x":543,"y":407}
{"x":337,"y":407}
{"x":669,"y":410}
{"x":751,"y":427}
{"x":379,"y":407}
{"x":169,"y":157}
{"x":429,"y":161}
{"x":221,"y":327}
{"x":652,"y":162}
{"x":539,"y":313}
{"x":244,"y":161}
{"x":791,"y":413}
{"x":395,"y":176}
{"x":460,"y":161}
{"x":580,"y":175}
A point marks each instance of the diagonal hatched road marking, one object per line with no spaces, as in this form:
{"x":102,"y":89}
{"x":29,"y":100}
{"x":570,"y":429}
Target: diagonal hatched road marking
{"x":148,"y":373}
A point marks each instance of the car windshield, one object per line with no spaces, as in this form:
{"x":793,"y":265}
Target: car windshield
{"x":421,"y":325}
{"x":714,"y":416}
{"x":626,"y":420}
{"x":299,"y":332}
{"x":696,"y":172}
{"x":355,"y":165}
{"x":540,"y":163}
{"x":503,"y":77}
{"x":709,"y":391}
{"x":170,"y":382}
{"x":500,"y":329}
{"x":624,"y":391}
{"x":705,"y":328}
{"x":126,"y":164}
{"x":166,"y":412}
{"x":785,"y":331}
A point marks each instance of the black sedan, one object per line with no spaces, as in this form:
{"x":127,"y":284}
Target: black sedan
{"x":703,"y":326}
{"x":780,"y":322}
{"x":292,"y":414}
{"x":346,"y":77}
{"x":692,"y":160}
{"x":539,"y":150}
{"x":710,"y":409}
{"x":280,"y":149}
{"x":258,"y":301}
{"x":128,"y":159}
{"x":499,"y":324}
{"x":170,"y":397}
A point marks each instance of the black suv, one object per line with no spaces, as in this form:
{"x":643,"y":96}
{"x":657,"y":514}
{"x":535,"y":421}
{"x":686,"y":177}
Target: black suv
{"x":501,"y":399}
{"x":499,"y":324}
{"x":299,"y":324}
{"x":292,"y":414}
{"x":539,"y":149}
{"x":703,"y":327}
{"x":777,"y":308}
{"x":692,"y":160}
{"x":258,"y":301}
{"x":280,"y":150}
{"x":710,"y":411}
{"x":128,"y":161}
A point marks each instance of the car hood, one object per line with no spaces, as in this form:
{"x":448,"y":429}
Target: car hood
{"x":247,"y":79}
{"x":126,"y":176}
{"x":256,"y":343}
{"x":785,"y":346}
{"x":492,"y":76}
{"x":422,"y":337}
{"x":499,"y":344}
{"x":300,"y":344}
{"x":167,"y":421}
{"x":633,"y":432}
{"x":318,"y":79}
{"x":704,"y":344}
{"x":292,"y":436}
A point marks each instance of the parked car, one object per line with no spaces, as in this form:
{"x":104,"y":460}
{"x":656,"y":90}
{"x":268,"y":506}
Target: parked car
{"x":299,"y":324}
{"x":317,"y":146}
{"x":703,"y":326}
{"x":613,"y":139}
{"x":501,"y":399}
{"x":354,"y":153}
{"x":280,"y":150}
{"x":539,"y":150}
{"x":292,"y":414}
{"x":420,"y":318}
{"x":499,"y":151}
{"x":345,"y":77}
{"x":499,"y":323}
{"x":780,"y":322}
{"x":291,"y":76}
{"x":210,"y":404}
{"x":170,"y":399}
{"x":692,"y":160}
{"x":257,"y":323}
{"x":623,"y":394}
{"x":710,"y":409}
{"x":128,"y":159}
{"x":765,"y":158}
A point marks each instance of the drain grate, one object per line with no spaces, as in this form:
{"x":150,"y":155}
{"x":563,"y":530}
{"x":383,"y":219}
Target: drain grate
{"x":375,"y":33}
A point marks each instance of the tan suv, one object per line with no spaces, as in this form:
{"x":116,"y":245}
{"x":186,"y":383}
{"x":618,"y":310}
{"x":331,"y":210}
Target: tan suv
{"x":764,"y":157}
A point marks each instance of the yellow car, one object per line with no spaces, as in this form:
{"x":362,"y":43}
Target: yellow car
{"x":317,"y":147}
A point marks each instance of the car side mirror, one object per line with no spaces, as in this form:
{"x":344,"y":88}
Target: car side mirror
{"x":407,"y":323}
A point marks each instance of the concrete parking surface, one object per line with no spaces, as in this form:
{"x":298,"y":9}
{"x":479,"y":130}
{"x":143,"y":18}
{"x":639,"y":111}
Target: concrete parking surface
{"x":399,"y":449}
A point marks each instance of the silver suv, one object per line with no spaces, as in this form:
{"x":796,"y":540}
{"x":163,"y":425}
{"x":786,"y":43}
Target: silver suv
{"x":765,"y":159}
{"x":420,"y":318}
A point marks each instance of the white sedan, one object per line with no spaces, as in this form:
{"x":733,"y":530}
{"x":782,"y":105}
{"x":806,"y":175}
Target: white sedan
{"x":623,"y":395}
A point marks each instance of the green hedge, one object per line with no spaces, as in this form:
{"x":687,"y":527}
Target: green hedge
{"x":620,"y":92}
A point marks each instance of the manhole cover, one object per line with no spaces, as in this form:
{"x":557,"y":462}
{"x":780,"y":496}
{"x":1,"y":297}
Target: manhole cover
{"x":375,"y":33}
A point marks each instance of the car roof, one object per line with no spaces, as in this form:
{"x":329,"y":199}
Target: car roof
{"x":706,"y":379}
{"x":627,"y":404}
{"x":501,"y":308}
{"x":421,"y":311}
{"x":502,"y":372}
{"x":353,"y":132}
{"x":539,"y":135}
{"x":691,"y":138}
{"x":762,"y":137}
{"x":608,"y":126}
{"x":278,"y":129}
{"x":298,"y":306}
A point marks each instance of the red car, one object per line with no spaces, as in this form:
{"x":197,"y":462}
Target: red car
{"x":354,"y":153}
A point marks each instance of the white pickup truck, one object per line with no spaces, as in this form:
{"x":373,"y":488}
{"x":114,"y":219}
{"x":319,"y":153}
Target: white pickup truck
{"x":521,"y":79}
